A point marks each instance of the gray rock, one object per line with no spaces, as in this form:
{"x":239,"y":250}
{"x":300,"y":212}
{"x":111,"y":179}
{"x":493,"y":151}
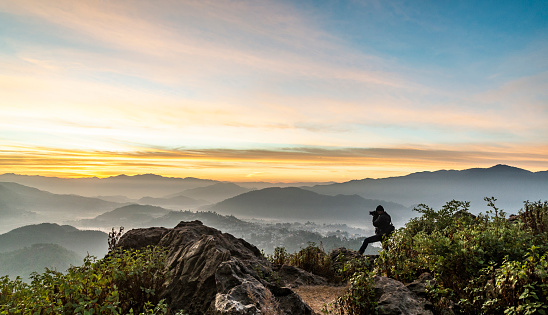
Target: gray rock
{"x":419,"y":286}
{"x":394,"y":298}
{"x":293,"y":277}
{"x":215,"y":273}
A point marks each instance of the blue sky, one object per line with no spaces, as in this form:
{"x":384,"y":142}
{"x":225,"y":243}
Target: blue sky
{"x":272,"y":90}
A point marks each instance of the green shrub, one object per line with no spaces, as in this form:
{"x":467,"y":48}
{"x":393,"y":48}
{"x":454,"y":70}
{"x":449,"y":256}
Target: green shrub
{"x":517,"y":287}
{"x":535,"y":217}
{"x":466,"y":253}
{"x":358,"y":299}
{"x":121,"y":283}
{"x":312,"y":258}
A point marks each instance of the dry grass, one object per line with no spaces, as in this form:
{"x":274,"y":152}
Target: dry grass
{"x":317,"y":296}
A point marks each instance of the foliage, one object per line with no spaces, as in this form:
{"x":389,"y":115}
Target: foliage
{"x":124,"y":282}
{"x":113,"y":238}
{"x":23,"y":262}
{"x":535,"y":217}
{"x":312,"y":258}
{"x":359,"y":298}
{"x":517,"y":287}
{"x":467,"y":253}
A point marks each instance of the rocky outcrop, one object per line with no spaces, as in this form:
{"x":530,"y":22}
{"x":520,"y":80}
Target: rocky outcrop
{"x":294,"y":277}
{"x":215,"y":273}
{"x":394,"y":298}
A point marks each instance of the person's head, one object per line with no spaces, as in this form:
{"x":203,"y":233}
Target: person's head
{"x":379,"y":209}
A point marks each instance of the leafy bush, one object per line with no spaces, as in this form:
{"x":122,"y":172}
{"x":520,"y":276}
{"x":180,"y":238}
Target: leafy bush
{"x":312,"y":258}
{"x":359,"y":298}
{"x":121,"y":283}
{"x":467,"y":253}
{"x":535,"y":217}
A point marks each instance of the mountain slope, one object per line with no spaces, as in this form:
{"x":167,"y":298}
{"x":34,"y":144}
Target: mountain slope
{"x":179,"y":201}
{"x":510,"y":185}
{"x":23,"y":262}
{"x":130,"y":216}
{"x":20,"y":197}
{"x":131,"y":186}
{"x":213,"y":193}
{"x":296,"y":203}
{"x":81,"y":242}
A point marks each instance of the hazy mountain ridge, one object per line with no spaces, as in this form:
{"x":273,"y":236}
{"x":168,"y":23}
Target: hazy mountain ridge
{"x":17,"y":196}
{"x":213,"y":193}
{"x":130,"y":216}
{"x":292,"y":203}
{"x":178,"y":201}
{"x":135,"y":186}
{"x":510,"y":185}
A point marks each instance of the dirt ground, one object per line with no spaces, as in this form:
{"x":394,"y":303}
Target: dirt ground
{"x":318,"y":295}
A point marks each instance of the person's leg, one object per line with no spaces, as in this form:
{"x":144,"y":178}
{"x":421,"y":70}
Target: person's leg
{"x":371,"y":239}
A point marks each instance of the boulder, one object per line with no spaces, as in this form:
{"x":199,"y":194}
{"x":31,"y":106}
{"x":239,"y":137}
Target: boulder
{"x":215,"y":273}
{"x":394,"y":298}
{"x":419,"y":286}
{"x":293,"y":277}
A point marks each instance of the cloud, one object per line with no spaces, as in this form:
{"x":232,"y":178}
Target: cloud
{"x":290,"y":164}
{"x":240,"y":80}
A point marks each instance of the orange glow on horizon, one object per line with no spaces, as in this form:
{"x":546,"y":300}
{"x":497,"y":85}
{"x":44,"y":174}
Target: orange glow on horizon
{"x":255,"y":165}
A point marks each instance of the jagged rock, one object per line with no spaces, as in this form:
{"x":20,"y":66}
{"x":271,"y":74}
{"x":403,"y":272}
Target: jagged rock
{"x":215,"y":273}
{"x":419,"y":285}
{"x":293,"y":277}
{"x":139,"y":238}
{"x":394,"y":298}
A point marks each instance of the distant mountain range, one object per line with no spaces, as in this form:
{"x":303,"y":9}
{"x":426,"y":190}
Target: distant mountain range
{"x":292,"y":203}
{"x":130,"y":186}
{"x":23,"y":204}
{"x":510,"y":185}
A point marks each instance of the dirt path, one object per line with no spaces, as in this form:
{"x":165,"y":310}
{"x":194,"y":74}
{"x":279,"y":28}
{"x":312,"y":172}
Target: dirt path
{"x":318,"y":295}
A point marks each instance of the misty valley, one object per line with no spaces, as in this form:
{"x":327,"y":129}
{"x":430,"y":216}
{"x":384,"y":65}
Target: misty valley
{"x":54,"y":222}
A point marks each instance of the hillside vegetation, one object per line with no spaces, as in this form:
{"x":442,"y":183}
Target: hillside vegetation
{"x":482,"y":264}
{"x":121,"y":283}
{"x":23,"y":262}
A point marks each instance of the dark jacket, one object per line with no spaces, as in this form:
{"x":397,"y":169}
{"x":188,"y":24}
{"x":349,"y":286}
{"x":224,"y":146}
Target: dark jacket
{"x":383,"y":224}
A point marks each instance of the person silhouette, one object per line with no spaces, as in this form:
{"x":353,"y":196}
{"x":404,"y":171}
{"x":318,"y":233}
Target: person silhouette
{"x":383,"y":228}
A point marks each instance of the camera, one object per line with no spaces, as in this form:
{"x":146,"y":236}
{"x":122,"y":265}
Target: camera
{"x":373,"y":212}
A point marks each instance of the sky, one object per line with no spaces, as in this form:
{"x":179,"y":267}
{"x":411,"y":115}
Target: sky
{"x":279,"y":91}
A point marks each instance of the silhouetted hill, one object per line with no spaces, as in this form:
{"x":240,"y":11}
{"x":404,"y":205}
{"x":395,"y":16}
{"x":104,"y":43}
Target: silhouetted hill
{"x":177,"y":201}
{"x":10,"y":213}
{"x":292,"y":203}
{"x":36,"y":258}
{"x":81,"y":242}
{"x":510,"y":185}
{"x":19,"y":197}
{"x":128,"y":216}
{"x":213,"y":193}
{"x":131,"y":186}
